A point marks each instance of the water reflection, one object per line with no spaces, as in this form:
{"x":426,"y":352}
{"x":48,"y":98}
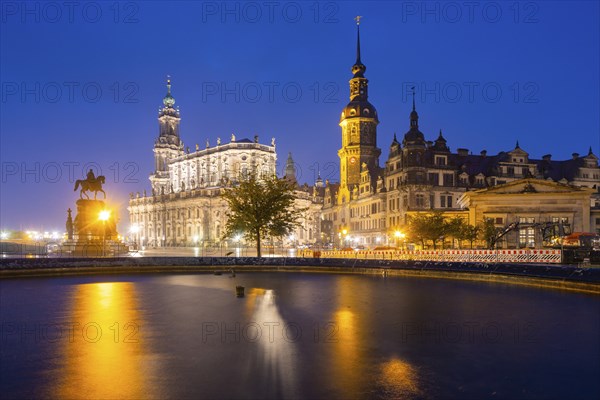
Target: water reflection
{"x":103,"y":357}
{"x":347,"y":353}
{"x":398,"y":379}
{"x":374,"y":352}
{"x":274,"y":359}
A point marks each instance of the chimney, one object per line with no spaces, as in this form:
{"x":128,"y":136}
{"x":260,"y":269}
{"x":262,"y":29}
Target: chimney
{"x":483,"y":153}
{"x":547,"y":157}
{"x":462,"y":152}
{"x":575,"y":156}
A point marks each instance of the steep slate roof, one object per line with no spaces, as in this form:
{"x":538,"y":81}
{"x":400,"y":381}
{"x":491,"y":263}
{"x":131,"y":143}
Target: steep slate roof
{"x":558,"y":170}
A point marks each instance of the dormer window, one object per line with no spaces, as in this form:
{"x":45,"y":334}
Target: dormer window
{"x":440,"y":160}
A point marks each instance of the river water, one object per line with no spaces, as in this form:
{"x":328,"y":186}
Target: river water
{"x":294,"y":335}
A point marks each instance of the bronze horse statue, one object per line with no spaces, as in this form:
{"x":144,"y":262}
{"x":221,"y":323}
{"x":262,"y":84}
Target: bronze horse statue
{"x":94,"y":185}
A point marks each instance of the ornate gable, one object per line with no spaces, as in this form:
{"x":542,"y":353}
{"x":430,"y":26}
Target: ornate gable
{"x":531,"y":186}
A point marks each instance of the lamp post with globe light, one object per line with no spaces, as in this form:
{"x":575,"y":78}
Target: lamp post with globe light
{"x":343,"y":237}
{"x":135,"y":230}
{"x":399,"y":236}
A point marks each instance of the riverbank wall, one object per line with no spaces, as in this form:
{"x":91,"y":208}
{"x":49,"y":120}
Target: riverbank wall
{"x":567,"y":277}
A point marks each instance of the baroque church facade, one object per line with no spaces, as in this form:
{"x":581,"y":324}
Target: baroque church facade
{"x":185,"y":207}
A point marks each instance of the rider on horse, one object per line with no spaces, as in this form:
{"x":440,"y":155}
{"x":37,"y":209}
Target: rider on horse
{"x":90,"y":176}
{"x":92,"y":184}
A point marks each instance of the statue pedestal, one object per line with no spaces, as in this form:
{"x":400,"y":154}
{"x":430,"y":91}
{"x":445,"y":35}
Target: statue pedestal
{"x":92,"y":237}
{"x":88,"y":226}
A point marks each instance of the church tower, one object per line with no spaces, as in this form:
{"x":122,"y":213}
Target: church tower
{"x":414,"y":148}
{"x":290,"y":169}
{"x":168,"y":145}
{"x":359,"y":130}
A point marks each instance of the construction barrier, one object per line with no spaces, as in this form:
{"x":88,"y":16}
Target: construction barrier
{"x":485,"y":256}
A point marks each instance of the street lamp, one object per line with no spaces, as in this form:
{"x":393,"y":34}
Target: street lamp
{"x":237,"y":239}
{"x":104,"y":216}
{"x":343,"y":235}
{"x":134,"y":230}
{"x":399,"y":235}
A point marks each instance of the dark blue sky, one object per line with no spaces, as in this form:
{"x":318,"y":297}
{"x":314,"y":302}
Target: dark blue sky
{"x":84,"y":84}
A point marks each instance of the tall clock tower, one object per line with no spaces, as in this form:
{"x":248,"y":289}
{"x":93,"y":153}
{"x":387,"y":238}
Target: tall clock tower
{"x":359,"y":130}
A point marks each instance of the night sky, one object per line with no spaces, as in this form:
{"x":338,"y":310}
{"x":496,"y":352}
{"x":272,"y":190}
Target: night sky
{"x":84,"y":85}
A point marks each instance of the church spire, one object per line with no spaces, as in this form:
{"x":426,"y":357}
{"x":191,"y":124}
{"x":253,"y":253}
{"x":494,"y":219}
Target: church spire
{"x":168,"y":100}
{"x":358,"y":40}
{"x":290,"y":168}
{"x":414,"y":117}
{"x":358,"y":69}
{"x":168,"y":103}
{"x":168,"y":145}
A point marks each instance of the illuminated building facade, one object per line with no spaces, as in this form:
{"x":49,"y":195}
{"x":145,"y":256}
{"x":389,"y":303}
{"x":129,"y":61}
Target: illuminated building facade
{"x":370,"y":203}
{"x":185,"y":207}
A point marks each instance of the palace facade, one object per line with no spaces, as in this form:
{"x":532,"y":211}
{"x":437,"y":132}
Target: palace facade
{"x":372,"y":202}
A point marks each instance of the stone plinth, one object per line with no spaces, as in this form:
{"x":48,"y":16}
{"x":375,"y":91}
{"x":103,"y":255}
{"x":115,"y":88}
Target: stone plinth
{"x":92,"y":237}
{"x":87,"y":225}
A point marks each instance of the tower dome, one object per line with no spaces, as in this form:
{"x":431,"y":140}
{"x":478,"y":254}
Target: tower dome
{"x":169,"y":100}
{"x":414,"y":135}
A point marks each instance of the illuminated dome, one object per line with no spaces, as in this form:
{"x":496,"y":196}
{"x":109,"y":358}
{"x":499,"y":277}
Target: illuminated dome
{"x":359,"y":108}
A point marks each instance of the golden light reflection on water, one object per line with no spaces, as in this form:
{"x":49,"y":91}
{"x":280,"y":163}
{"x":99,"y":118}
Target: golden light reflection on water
{"x":398,"y":379}
{"x":347,"y":354}
{"x":253,"y":296}
{"x":103,"y":358}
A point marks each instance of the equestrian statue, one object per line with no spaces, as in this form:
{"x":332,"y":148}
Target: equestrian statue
{"x":91,"y":184}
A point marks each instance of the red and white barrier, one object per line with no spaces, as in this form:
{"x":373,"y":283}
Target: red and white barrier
{"x":485,"y":256}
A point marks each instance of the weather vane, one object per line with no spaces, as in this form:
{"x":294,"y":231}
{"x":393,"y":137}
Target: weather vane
{"x":357,"y":19}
